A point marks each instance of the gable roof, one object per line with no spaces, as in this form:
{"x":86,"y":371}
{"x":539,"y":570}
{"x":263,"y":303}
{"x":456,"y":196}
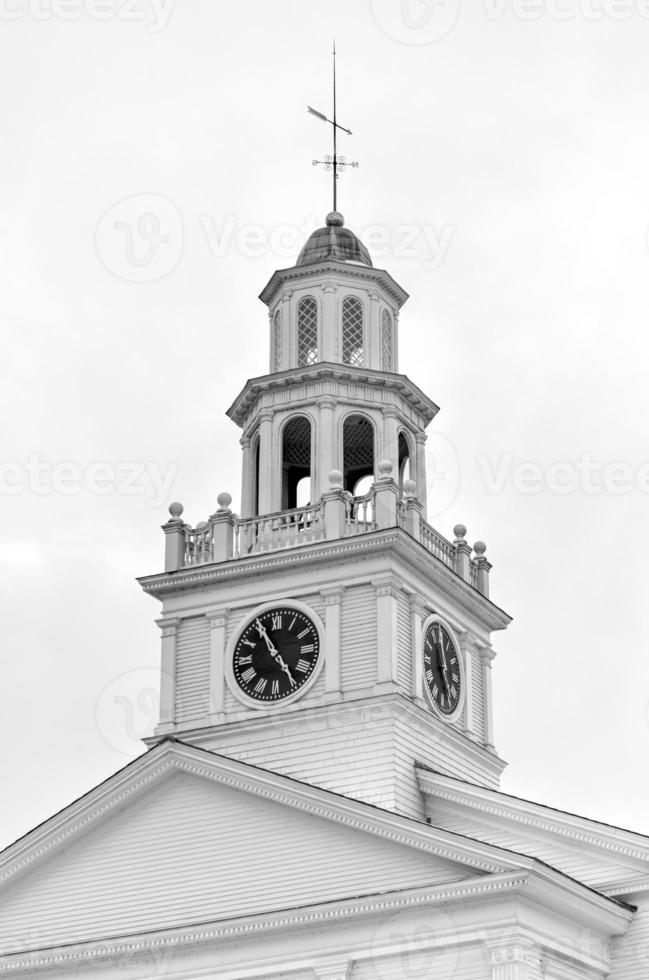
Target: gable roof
{"x":183,"y":842}
{"x":610,"y":859}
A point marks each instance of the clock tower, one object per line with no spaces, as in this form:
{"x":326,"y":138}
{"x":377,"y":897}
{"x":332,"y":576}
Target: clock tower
{"x":326,"y":631}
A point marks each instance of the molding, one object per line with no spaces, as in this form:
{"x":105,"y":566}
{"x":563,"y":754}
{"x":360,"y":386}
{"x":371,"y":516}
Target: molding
{"x":516,"y":885}
{"x":337,"y":270}
{"x":333,"y":371}
{"x":537,"y":817}
{"x":404,"y":546}
{"x":179,"y":756}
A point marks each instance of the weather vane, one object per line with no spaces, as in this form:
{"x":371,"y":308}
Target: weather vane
{"x":336,"y":164}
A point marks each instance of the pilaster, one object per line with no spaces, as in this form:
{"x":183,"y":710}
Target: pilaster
{"x":487,"y":658}
{"x":167,"y":720}
{"x":329,"y":329}
{"x":327,"y":442}
{"x":218,"y":620}
{"x":512,"y":958}
{"x":372,"y":339}
{"x":266,"y":462}
{"x":332,"y":652}
{"x":417,"y":617}
{"x":420,"y":468}
{"x":386,"y":628}
{"x":247,"y":481}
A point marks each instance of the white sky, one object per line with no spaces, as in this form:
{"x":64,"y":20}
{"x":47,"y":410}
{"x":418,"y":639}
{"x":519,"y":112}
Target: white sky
{"x":516,"y":145}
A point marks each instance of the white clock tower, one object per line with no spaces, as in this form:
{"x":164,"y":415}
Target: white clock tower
{"x":391,"y":600}
{"x":320,"y":800}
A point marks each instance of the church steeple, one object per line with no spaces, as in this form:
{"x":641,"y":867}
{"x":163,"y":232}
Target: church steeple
{"x":328,"y":605}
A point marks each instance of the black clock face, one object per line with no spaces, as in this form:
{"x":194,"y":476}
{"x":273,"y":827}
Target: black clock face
{"x":276,"y":654}
{"x":442,"y":672}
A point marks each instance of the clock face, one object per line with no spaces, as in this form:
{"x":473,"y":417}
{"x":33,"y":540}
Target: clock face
{"x":442,"y":668}
{"x":276,"y":654}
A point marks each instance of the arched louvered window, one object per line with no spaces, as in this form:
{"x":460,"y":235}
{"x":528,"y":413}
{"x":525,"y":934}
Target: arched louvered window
{"x":307,"y":331}
{"x":352,"y":331}
{"x":387,"y":343}
{"x":277,"y":341}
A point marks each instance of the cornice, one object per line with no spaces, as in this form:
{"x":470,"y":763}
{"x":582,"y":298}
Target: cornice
{"x":365,"y":545}
{"x":179,"y":756}
{"x":338,"y":271}
{"x":558,"y":823}
{"x":527,"y":883}
{"x":201,"y":934}
{"x":333,"y":371}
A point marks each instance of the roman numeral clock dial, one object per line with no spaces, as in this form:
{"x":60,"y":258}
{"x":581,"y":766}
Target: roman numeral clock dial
{"x":276,"y":655}
{"x":443,"y":669}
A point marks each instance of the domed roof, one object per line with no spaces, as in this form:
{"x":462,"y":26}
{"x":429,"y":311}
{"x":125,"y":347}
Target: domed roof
{"x":334,"y":241}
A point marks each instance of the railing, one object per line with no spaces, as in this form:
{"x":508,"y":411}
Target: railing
{"x":359,"y":514}
{"x":285,"y":529}
{"x":436,"y":544}
{"x":337,"y":515}
{"x":199,"y":544}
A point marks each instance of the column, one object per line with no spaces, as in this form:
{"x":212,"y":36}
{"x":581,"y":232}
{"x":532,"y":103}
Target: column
{"x":420,"y":466}
{"x":329,"y":332}
{"x":390,"y":448}
{"x":386,"y":628}
{"x":266,"y":470}
{"x":218,"y":620}
{"x":372,"y":337}
{"x":247,"y":478}
{"x":332,"y":650}
{"x":327,"y":456}
{"x":167,"y":721}
{"x":289,"y":353}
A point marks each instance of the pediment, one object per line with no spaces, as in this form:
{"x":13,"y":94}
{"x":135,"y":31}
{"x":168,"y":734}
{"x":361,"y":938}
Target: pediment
{"x":183,"y":836}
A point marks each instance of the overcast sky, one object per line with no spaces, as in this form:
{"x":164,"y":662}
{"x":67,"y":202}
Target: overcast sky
{"x":503,"y":157}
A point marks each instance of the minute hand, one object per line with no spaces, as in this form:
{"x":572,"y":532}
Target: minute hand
{"x":274,"y":652}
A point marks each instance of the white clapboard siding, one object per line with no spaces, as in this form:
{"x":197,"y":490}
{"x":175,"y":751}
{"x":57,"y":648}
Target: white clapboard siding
{"x":192,"y":669}
{"x":193,"y":851}
{"x":478,"y":691}
{"x":630,"y":954}
{"x":348,"y":750}
{"x":453,"y":962}
{"x":404,"y":645}
{"x":359,"y":637}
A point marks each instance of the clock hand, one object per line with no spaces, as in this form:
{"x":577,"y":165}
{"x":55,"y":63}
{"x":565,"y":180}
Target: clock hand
{"x":272,"y":649}
{"x":443,"y":665}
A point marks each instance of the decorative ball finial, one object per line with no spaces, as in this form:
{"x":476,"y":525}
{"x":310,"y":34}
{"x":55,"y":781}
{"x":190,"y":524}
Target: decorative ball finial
{"x":224,"y":500}
{"x":201,"y":525}
{"x":335,"y":478}
{"x":335,"y":218}
{"x":385,"y":469}
{"x":410,"y":488}
{"x":176,"y":510}
{"x":479,"y":547}
{"x":459,"y":531}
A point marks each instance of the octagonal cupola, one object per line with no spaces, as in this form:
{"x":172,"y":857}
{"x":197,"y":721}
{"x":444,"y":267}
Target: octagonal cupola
{"x":333,"y":305}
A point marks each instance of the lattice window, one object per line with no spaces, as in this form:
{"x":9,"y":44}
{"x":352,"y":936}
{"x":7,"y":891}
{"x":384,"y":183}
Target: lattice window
{"x":277,"y":341}
{"x":307,"y":331}
{"x":352,"y":331}
{"x":386,"y":341}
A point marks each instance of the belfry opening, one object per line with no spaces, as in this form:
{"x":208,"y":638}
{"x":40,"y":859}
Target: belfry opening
{"x":296,"y":463}
{"x":358,"y":454}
